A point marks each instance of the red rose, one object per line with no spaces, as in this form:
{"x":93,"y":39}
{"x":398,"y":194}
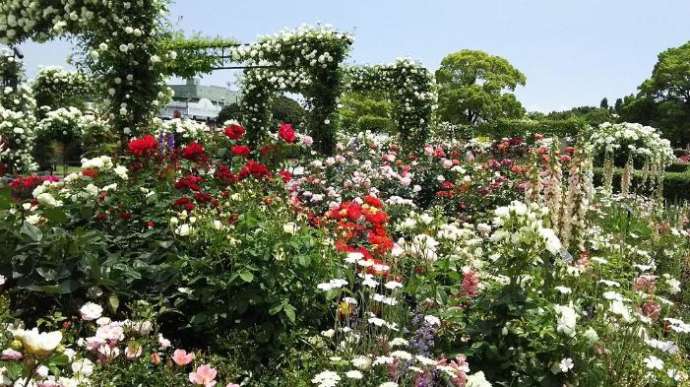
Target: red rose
{"x":373,"y":201}
{"x":190,"y":182}
{"x":142,"y":146}
{"x":240,"y":150}
{"x":287,"y":133}
{"x":235,"y":131}
{"x":286,"y":175}
{"x":225,"y":175}
{"x":255,"y":169}
{"x":194,"y":152}
{"x":203,"y":197}
{"x":185,"y":202}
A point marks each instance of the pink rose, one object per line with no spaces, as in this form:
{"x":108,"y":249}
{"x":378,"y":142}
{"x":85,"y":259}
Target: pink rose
{"x":182,"y":358}
{"x":204,"y":375}
{"x":11,"y":355}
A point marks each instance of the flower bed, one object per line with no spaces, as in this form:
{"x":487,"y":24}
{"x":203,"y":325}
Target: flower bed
{"x":207,"y":261}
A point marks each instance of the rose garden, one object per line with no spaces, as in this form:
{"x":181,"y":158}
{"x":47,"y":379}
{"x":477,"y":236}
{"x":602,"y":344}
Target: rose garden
{"x":257,"y":252}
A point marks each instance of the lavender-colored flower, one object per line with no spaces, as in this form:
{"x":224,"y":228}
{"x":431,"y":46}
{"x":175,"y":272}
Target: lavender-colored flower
{"x":423,"y":341}
{"x":171,"y":142}
{"x":161,"y":142}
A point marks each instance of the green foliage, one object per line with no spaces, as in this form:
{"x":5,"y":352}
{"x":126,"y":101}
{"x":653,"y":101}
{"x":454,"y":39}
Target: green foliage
{"x":588,"y":114}
{"x":317,"y":79}
{"x":604,"y":104}
{"x":476,"y":87}
{"x":360,"y":112}
{"x":196,"y":54}
{"x":523,"y":128}
{"x":676,"y":184}
{"x":228,"y":112}
{"x":664,"y":98}
{"x":286,"y":109}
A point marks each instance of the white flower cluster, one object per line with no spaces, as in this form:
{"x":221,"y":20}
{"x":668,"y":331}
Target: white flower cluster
{"x":641,"y":141}
{"x":69,"y":124}
{"x":522,"y":225}
{"x":53,"y":82}
{"x":185,"y":129}
{"x":17,"y":140}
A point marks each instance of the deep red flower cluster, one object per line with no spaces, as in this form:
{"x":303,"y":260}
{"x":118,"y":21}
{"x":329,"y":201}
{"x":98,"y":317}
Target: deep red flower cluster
{"x":254,"y":169}
{"x":143,"y":146}
{"x":287,"y":133}
{"x":27,"y":183}
{"x":235,"y":132}
{"x":204,"y":198}
{"x":286,"y":175}
{"x":240,"y":150}
{"x":224,"y":175}
{"x":186,"y":203}
{"x":190,"y":182}
{"x":194,"y":152}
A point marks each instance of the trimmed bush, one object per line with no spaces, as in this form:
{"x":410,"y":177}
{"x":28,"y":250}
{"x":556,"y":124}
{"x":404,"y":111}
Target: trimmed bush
{"x":676,"y":184}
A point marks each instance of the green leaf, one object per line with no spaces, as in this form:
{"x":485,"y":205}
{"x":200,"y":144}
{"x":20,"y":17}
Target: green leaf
{"x":247,"y":276}
{"x":31,"y":231}
{"x":55,"y":215}
{"x":289,"y":312}
{"x":275,"y":310}
{"x":5,"y":198}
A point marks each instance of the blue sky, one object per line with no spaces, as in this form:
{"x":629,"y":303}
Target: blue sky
{"x":573,"y":52}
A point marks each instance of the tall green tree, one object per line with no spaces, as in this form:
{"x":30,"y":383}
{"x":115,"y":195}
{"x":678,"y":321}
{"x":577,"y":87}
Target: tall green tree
{"x":477,"y":87}
{"x":618,"y":105}
{"x":664,"y":98}
{"x":604,"y":104}
{"x":286,"y":109}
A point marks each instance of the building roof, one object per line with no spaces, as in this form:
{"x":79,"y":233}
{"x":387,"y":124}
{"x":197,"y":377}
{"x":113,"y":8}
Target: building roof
{"x":193,"y":90}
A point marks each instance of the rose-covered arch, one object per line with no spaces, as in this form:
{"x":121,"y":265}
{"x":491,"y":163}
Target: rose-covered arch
{"x":17,"y":120}
{"x":121,"y":42}
{"x":305,"y":61}
{"x":409,"y":86}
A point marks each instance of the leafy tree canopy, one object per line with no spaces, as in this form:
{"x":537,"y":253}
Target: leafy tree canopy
{"x":664,"y":98}
{"x":476,"y":87}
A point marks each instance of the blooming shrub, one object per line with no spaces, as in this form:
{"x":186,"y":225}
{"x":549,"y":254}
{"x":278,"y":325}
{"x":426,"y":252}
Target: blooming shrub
{"x":643,"y":143}
{"x":184,"y":130}
{"x":56,"y":88}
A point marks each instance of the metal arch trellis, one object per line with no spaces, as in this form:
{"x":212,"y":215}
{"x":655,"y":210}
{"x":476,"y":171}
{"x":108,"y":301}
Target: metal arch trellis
{"x":223,"y":56}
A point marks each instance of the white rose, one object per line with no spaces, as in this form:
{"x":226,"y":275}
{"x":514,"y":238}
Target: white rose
{"x":40,"y":344}
{"x":91,"y":311}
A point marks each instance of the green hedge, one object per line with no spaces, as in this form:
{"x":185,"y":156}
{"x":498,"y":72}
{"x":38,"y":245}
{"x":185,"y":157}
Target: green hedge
{"x":677,"y":167}
{"x":509,"y":128}
{"x":676,"y":184}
